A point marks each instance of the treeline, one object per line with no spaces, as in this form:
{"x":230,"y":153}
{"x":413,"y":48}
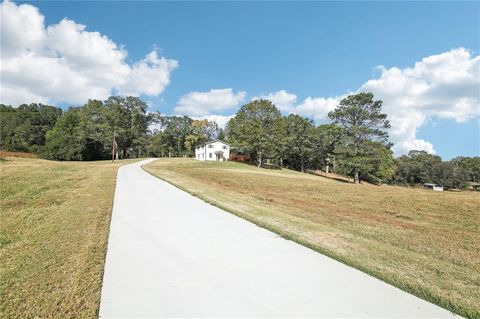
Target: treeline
{"x":118,"y":126}
{"x":419,"y":167}
{"x":355,"y":143}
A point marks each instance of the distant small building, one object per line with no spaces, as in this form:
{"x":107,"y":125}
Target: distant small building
{"x":212,"y":151}
{"x":474,"y":185}
{"x":434,"y":187}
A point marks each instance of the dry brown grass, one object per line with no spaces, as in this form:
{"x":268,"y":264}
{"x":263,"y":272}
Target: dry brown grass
{"x":4,"y":154}
{"x":421,"y":241}
{"x":54,"y":225}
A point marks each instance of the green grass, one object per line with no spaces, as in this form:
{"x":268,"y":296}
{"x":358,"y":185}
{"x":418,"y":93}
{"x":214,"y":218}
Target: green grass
{"x":54,"y":227}
{"x":424,"y":242}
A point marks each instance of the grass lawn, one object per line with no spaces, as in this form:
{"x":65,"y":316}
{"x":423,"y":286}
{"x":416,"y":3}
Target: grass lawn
{"x":54,"y":226}
{"x":424,"y":242}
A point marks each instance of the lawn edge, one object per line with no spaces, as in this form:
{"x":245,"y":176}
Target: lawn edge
{"x":112,"y":200}
{"x":422,"y":294}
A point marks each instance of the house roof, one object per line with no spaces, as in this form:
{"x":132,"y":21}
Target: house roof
{"x":211,"y":142}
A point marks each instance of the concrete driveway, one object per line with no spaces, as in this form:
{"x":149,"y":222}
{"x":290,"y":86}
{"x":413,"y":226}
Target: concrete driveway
{"x":172,"y":255}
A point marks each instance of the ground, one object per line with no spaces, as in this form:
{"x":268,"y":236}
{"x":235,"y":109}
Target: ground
{"x":421,"y":241}
{"x":171,"y":254}
{"x":54,"y":225}
{"x":55,"y":217}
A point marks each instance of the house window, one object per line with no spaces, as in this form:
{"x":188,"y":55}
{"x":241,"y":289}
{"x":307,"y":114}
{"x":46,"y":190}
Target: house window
{"x":224,"y":147}
{"x":210,"y":146}
{"x":210,"y":155}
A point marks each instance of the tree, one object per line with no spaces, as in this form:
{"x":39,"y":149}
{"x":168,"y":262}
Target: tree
{"x":65,"y":141}
{"x":128,"y":119}
{"x":175,"y":131}
{"x":92,"y":127}
{"x":158,"y":145}
{"x":363,"y":121}
{"x":471,"y":166}
{"x":449,"y":175}
{"x":419,"y":167}
{"x":9,"y":121}
{"x":299,"y":135}
{"x":201,"y":131}
{"x":327,"y":138}
{"x":416,"y":168}
{"x":259,"y":127}
{"x":24,"y":128}
{"x":221,"y":134}
{"x":95,"y":131}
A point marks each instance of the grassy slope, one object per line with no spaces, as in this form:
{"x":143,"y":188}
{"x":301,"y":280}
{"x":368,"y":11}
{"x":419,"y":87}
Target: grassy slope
{"x":54,"y":226}
{"x":421,"y":241}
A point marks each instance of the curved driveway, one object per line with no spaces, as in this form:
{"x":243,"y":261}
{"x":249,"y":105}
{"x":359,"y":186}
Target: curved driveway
{"x":172,"y":255}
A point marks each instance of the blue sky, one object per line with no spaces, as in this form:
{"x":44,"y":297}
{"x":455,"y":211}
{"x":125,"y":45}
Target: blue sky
{"x":311,"y":49}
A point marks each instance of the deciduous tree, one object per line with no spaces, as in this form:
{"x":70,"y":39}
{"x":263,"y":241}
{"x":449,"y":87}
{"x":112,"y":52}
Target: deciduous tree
{"x":259,"y":127}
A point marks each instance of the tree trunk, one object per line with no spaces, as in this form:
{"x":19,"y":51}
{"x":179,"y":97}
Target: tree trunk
{"x":113,"y":147}
{"x":259,"y":159}
{"x":356,"y":180}
{"x":327,"y":168}
{"x":302,"y":168}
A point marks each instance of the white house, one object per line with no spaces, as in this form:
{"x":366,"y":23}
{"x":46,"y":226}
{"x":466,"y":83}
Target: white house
{"x":212,"y":151}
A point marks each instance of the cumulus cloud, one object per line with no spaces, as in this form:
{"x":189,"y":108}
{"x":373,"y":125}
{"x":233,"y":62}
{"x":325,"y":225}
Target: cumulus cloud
{"x":317,"y":107}
{"x":282,"y":99}
{"x":149,"y":76}
{"x":445,"y":86}
{"x":65,"y":63}
{"x":201,"y":104}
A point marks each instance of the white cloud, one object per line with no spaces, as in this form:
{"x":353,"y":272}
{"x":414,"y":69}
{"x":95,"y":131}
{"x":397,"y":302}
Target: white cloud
{"x":65,"y":63}
{"x":415,"y":144}
{"x":445,"y":86}
{"x":317,"y":107}
{"x":149,"y":76}
{"x":206,"y":103}
{"x":282,"y":99}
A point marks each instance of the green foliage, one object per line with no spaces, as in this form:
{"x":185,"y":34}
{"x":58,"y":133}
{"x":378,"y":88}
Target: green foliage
{"x":128,"y":118}
{"x":327,"y":138}
{"x":259,"y":127}
{"x":416,"y":167}
{"x":355,"y":144}
{"x":221,"y":134}
{"x":87,"y":132}
{"x":419,"y":167}
{"x":65,"y":140}
{"x":24,"y":128}
{"x":201,"y":131}
{"x":364,"y":123}
{"x":470,"y":166}
{"x":178,"y":136}
{"x":299,"y":138}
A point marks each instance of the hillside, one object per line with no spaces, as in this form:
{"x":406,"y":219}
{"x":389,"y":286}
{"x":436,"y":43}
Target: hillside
{"x":421,"y":241}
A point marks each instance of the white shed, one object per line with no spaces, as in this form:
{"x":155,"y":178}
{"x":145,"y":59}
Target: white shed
{"x":212,"y":151}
